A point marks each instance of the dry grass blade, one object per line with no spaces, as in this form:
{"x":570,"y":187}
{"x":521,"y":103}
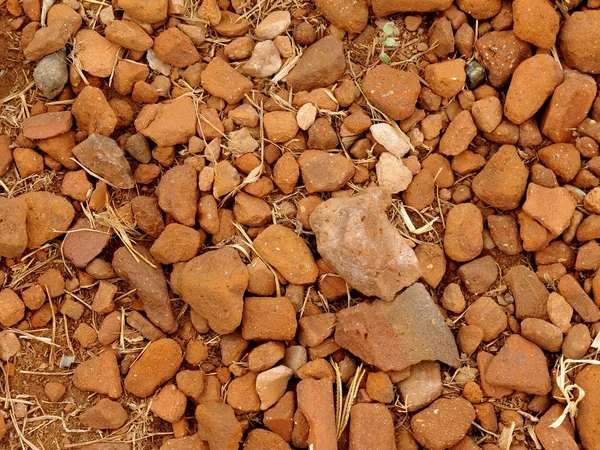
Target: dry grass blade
{"x":506,"y":437}
{"x":344,"y":413}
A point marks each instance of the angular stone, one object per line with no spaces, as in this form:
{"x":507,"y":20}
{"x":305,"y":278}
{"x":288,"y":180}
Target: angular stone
{"x":520,"y":365}
{"x":175,"y":48}
{"x":555,"y":219}
{"x":287,"y":253}
{"x":588,"y":416}
{"x":223,"y":81}
{"x":169,"y":123}
{"x":574,"y":294}
{"x":568,"y":106}
{"x":102,"y":156}
{"x":81,"y":247}
{"x":503,"y":180}
{"x":349,"y":229}
{"x":398,"y":334}
{"x":93,"y":113}
{"x":213,"y":284}
{"x":271,"y":385}
{"x":310,"y":72}
{"x":530,"y":294}
{"x":47,"y":125}
{"x":159,"y":363}
{"x":150,"y":285}
{"x":96,"y":54}
{"x":99,"y":374}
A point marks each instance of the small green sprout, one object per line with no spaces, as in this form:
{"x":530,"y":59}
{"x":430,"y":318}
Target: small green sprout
{"x":388,"y":41}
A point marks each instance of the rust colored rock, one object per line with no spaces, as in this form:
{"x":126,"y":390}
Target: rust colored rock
{"x":463,"y":240}
{"x":148,"y":215}
{"x":588,"y":417}
{"x":96,"y":53}
{"x":150,"y":285}
{"x":259,"y":439}
{"x":398,"y":334}
{"x":223,"y":81}
{"x":12,"y":308}
{"x":287,"y":253}
{"x":432,"y":262}
{"x":48,"y":216}
{"x":443,"y":424}
{"x":387,"y":7}
{"x":533,"y":81}
{"x":174,"y":47}
{"x":486,"y":314}
{"x":569,"y":105}
{"x":579,"y":41}
{"x":310,"y":72}
{"x":555,"y":219}
{"x":105,"y":414}
{"x":177,"y":243}
{"x":351,"y":16}
{"x":93,"y":113}
{"x":536,"y":21}
{"x":545,"y":335}
{"x":47,"y":125}
{"x":531,"y":296}
{"x":392,"y":91}
{"x":103,"y":156}
{"x":99,"y":374}
{"x":490,"y":390}
{"x":128,"y":34}
{"x":520,"y":365}
{"x":363,"y":433}
{"x":574,"y":294}
{"x":324,"y":172}
{"x":267,"y":318}
{"x":13,"y":231}
{"x":446,"y":78}
{"x":214,"y":284}
{"x":563,"y":159}
{"x":178,"y":194}
{"x":81,"y":247}
{"x":500,"y":52}
{"x":315,"y":401}
{"x":218,"y":425}
{"x":458,"y":135}
{"x":169,"y":123}
{"x":149,"y":11}
{"x":349,"y":230}
{"x":158,"y":364}
{"x":503,"y":180}
{"x":559,"y":438}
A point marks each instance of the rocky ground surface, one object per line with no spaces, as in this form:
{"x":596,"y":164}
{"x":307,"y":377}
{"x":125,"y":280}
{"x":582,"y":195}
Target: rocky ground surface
{"x":276,"y":224}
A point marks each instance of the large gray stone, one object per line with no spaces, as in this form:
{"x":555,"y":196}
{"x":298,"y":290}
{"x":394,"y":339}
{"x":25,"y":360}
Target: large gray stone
{"x":398,"y":334}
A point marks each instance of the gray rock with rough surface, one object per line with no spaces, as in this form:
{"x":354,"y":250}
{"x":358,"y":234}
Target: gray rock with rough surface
{"x":51,"y":74}
{"x":398,"y":334}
